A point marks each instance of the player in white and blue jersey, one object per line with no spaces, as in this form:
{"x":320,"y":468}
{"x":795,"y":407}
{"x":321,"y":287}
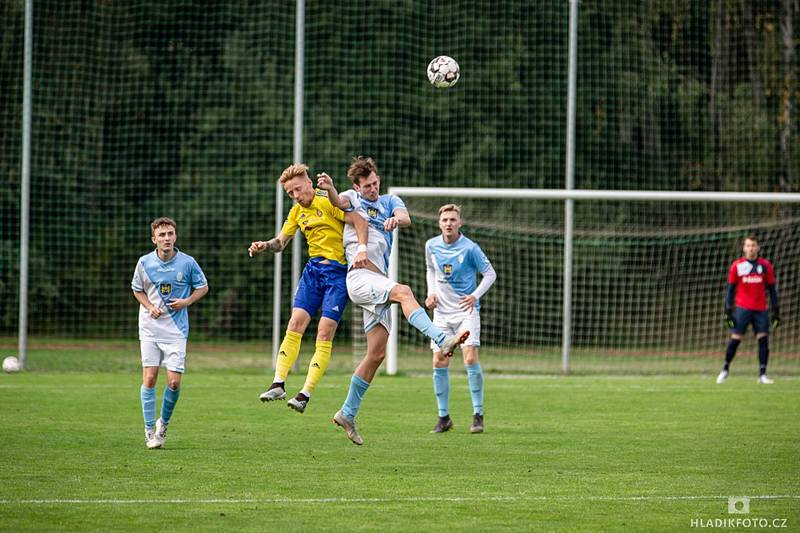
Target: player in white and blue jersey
{"x":165,"y":283}
{"x":369,"y":287}
{"x":452,"y":264}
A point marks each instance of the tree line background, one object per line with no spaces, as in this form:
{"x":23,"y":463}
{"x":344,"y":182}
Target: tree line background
{"x":184,"y":108}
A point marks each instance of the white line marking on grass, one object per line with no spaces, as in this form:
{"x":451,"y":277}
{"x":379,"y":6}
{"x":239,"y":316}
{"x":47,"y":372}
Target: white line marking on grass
{"x":410,"y":499}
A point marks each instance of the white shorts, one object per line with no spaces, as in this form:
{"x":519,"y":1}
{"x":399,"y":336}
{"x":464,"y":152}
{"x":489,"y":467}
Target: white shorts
{"x":452,"y":324}
{"x":370,"y":291}
{"x":169,"y":354}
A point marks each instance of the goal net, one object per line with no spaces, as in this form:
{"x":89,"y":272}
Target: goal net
{"x":648,"y":282}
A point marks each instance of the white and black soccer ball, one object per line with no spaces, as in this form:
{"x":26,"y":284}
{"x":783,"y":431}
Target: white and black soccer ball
{"x":11,"y":364}
{"x":443,"y":72}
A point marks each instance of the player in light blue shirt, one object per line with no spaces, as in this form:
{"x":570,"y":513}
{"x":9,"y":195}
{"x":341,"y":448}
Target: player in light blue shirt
{"x":452,"y":264}
{"x":165,"y":283}
{"x":370,"y":288}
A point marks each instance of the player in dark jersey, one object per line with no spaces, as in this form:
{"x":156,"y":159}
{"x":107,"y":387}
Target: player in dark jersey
{"x":749,"y":279}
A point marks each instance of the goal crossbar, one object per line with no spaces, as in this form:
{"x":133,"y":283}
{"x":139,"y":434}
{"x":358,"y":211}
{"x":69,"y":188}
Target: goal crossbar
{"x":588,"y":194}
{"x":558,"y":194}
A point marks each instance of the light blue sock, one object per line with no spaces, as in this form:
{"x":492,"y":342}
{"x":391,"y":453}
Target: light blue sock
{"x":168,"y":404}
{"x":420,"y":320}
{"x":148,"y":396}
{"x":358,"y":388}
{"x":441,"y":387}
{"x":475,"y":379}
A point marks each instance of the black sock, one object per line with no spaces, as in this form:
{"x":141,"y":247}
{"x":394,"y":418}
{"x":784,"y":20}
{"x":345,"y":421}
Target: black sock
{"x":730,"y":353}
{"x":763,"y":355}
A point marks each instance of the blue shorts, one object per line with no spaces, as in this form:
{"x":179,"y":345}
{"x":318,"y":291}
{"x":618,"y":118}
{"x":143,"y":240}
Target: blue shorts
{"x":743,"y":317}
{"x":322,"y":286}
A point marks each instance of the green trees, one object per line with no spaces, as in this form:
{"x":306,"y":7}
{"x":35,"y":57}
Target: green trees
{"x":184,"y":108}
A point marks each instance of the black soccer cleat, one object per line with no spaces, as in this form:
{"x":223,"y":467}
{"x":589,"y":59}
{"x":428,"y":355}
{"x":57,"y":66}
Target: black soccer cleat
{"x":477,"y":424}
{"x":445,"y":423}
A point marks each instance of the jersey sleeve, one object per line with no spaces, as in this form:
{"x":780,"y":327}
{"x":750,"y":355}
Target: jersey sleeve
{"x":732,"y":277}
{"x":351,"y":196}
{"x":430,"y":270}
{"x":479,"y":259}
{"x":136,"y":282}
{"x":397,"y":203}
{"x":770,"y":274}
{"x":198,"y":279}
{"x":290,"y":226}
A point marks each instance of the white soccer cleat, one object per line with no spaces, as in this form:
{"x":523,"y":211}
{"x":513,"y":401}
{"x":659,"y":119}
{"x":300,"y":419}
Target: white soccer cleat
{"x":150,"y":437}
{"x":764,"y":380}
{"x":274,"y":392}
{"x":454,"y":342}
{"x":160,"y":436}
{"x":349,"y":427}
{"x":722,"y":377}
{"x":298,"y":403}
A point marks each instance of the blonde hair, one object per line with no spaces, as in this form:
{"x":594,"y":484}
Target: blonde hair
{"x":450,"y":207}
{"x":361,"y":167}
{"x":292,"y":171}
{"x":162,"y":221}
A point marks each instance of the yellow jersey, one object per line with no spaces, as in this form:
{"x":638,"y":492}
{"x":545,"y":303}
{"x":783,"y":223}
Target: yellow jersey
{"x":322,"y":225}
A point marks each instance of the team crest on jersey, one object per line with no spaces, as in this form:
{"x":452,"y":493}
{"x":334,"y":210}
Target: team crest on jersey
{"x":165,"y":289}
{"x":179,"y":276}
{"x":460,"y":258}
{"x":447,"y":269}
{"x":372,"y":212}
{"x":319,"y":213}
{"x":743,"y":269}
{"x":760,"y":269}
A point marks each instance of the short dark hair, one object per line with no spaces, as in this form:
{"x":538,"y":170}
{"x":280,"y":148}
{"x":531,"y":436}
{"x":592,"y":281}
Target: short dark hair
{"x":361,"y":167}
{"x":162,"y":221}
{"x":751,"y":237}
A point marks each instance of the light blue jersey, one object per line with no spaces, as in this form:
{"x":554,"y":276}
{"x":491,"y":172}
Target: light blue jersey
{"x":452,"y":271}
{"x":379,"y":245}
{"x":161,"y":282}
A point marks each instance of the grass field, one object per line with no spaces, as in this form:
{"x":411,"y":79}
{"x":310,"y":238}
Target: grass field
{"x":559,"y":453}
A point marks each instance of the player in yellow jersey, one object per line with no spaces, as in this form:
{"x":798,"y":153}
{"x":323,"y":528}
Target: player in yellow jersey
{"x":323,"y":283}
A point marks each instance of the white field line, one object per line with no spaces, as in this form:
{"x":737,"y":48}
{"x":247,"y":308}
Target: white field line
{"x":410,"y":499}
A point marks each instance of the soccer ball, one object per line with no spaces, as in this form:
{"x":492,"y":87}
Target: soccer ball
{"x":11,"y":364}
{"x":443,"y":72}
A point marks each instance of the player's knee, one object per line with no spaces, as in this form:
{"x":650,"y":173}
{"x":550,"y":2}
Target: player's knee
{"x":760,"y":336}
{"x":403,"y":293}
{"x":296,"y":325}
{"x":736,"y":336}
{"x":149,"y":382}
{"x":174,"y":383}
{"x":470,"y":359}
{"x":377,"y":356}
{"x":440,"y":361}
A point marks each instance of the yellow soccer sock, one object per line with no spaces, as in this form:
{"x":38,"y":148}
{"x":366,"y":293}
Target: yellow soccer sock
{"x":289,"y":350}
{"x":318,"y":365}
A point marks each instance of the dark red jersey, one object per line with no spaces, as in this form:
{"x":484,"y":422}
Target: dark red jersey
{"x":751,"y":279}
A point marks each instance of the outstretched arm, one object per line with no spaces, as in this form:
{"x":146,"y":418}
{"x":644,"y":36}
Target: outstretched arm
{"x":276,"y":244}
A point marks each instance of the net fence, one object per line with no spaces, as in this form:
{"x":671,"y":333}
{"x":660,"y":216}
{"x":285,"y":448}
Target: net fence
{"x":184,"y":108}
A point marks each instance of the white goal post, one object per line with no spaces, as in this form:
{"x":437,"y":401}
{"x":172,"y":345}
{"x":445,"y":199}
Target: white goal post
{"x":446,"y":194}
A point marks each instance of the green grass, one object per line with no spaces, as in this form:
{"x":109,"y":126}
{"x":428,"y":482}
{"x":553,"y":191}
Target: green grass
{"x":58,"y":354}
{"x":560,"y":453}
